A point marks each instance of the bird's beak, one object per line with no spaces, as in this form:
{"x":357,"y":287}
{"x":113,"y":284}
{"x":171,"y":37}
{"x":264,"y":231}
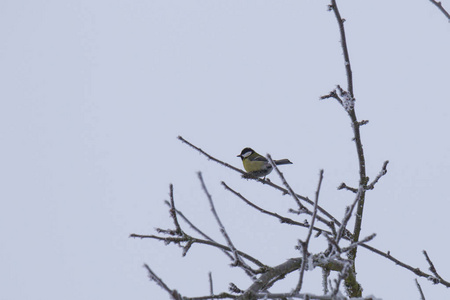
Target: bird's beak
{"x":238,"y":155}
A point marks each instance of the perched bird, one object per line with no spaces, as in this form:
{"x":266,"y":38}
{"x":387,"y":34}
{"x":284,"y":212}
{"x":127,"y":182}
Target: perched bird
{"x":257,"y":165}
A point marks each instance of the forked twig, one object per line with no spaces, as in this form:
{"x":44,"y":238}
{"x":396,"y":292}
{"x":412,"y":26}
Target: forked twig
{"x":432,"y":268}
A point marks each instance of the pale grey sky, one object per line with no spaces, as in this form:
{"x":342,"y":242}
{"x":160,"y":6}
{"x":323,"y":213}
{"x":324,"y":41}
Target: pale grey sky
{"x":94,"y":94}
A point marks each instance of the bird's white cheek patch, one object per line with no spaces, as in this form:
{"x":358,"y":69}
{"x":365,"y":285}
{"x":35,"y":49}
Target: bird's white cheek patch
{"x":246,"y":154}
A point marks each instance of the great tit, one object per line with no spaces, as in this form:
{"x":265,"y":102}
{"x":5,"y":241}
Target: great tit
{"x":257,"y":165}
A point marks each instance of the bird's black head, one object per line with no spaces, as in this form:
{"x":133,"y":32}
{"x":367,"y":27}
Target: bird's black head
{"x":246,"y":152}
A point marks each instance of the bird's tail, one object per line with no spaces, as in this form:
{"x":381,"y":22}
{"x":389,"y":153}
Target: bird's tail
{"x":283,"y":162}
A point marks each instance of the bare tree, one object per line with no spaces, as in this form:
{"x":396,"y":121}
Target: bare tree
{"x":337,"y":260}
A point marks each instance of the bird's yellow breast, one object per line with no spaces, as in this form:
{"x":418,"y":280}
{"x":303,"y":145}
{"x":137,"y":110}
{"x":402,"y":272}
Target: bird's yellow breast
{"x":253,"y":166}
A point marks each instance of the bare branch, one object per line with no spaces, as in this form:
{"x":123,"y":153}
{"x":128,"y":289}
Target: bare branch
{"x":276,"y":273}
{"x":422,"y":296}
{"x":363,"y":122}
{"x":344,"y":274}
{"x":325,"y":275}
{"x":302,"y":209}
{"x":432,"y":268}
{"x":173,"y":293}
{"x":359,"y":243}
{"x":195,"y":228}
{"x":416,"y":271}
{"x":179,"y":213}
{"x":381,"y":174}
{"x":305,"y":244}
{"x":178,"y":240}
{"x":333,"y":95}
{"x":332,"y":242}
{"x":218,"y":296}
{"x":234,"y":289}
{"x":305,"y":296}
{"x":211,"y":157}
{"x":282,"y":219}
{"x":291,"y":191}
{"x":211,"y":286}
{"x":441,"y":8}
{"x":344,"y":186}
{"x":348,"y":68}
{"x":173,"y":213}
{"x":238,"y":261}
{"x":348,"y":103}
{"x":348,"y":214}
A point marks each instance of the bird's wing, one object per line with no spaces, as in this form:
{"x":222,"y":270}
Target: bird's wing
{"x":259,"y":158}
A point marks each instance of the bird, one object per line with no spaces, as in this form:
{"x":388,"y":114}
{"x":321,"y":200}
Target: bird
{"x":257,"y":165}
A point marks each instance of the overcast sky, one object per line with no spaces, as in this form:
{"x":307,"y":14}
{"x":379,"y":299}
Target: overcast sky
{"x":94,"y":94}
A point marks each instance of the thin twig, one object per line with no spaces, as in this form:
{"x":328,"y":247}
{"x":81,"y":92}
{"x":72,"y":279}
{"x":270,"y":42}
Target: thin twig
{"x":441,"y":8}
{"x":302,"y":208}
{"x":325,"y":274}
{"x":333,"y":244}
{"x":359,"y":243}
{"x":348,"y":215}
{"x":224,"y":249}
{"x":211,"y":157}
{"x":333,"y":95}
{"x":348,"y":67}
{"x":282,"y":219}
{"x":342,"y":275}
{"x":291,"y":191}
{"x":211,"y":286}
{"x":173,"y":213}
{"x":344,"y":186}
{"x":195,"y":228}
{"x":173,"y":293}
{"x":416,"y":271}
{"x":431,"y":268}
{"x":180,"y":213}
{"x":238,"y":261}
{"x":422,"y":296}
{"x":178,"y":240}
{"x":305,"y":244}
{"x":381,"y":174}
